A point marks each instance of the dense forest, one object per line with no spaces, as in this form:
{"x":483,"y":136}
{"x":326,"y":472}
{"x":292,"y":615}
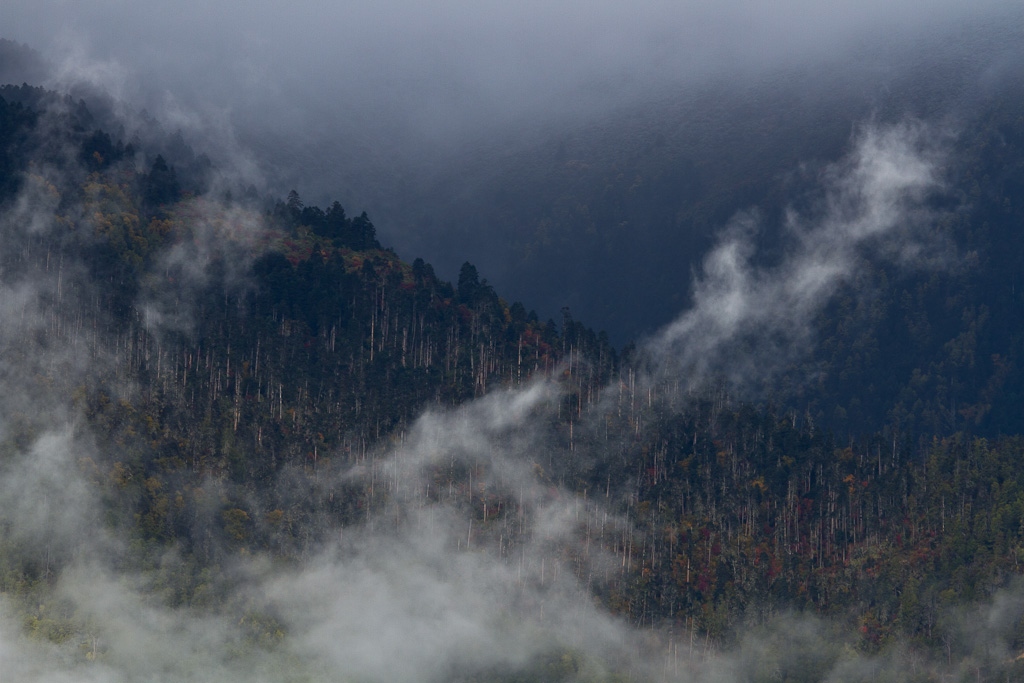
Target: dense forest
{"x":249,"y":374}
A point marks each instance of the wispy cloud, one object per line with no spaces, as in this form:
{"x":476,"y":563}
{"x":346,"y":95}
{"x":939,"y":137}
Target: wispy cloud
{"x":749,"y":318}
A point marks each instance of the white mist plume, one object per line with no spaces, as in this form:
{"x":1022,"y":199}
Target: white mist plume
{"x":433,"y":584}
{"x":74,"y":70}
{"x":213,"y":234}
{"x":748,"y":320}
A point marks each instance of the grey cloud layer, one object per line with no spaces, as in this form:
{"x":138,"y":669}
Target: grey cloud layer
{"x":436,"y":65}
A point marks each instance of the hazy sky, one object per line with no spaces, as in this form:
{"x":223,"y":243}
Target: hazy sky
{"x":446,"y":65}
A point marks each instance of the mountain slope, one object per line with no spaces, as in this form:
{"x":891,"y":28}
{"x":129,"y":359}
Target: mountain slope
{"x":202,"y":381}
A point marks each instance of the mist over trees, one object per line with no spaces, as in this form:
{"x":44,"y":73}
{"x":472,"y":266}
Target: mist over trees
{"x":279,"y":447}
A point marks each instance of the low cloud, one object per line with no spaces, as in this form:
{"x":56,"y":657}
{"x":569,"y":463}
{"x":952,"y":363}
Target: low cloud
{"x":216,"y":245}
{"x":750,"y":319}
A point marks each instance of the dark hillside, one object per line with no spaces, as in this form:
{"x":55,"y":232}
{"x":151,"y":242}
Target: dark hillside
{"x":246,"y":378}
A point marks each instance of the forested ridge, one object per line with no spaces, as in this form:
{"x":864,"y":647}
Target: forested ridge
{"x":215,"y":343}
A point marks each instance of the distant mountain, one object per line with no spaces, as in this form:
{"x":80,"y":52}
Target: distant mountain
{"x":614,"y":218}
